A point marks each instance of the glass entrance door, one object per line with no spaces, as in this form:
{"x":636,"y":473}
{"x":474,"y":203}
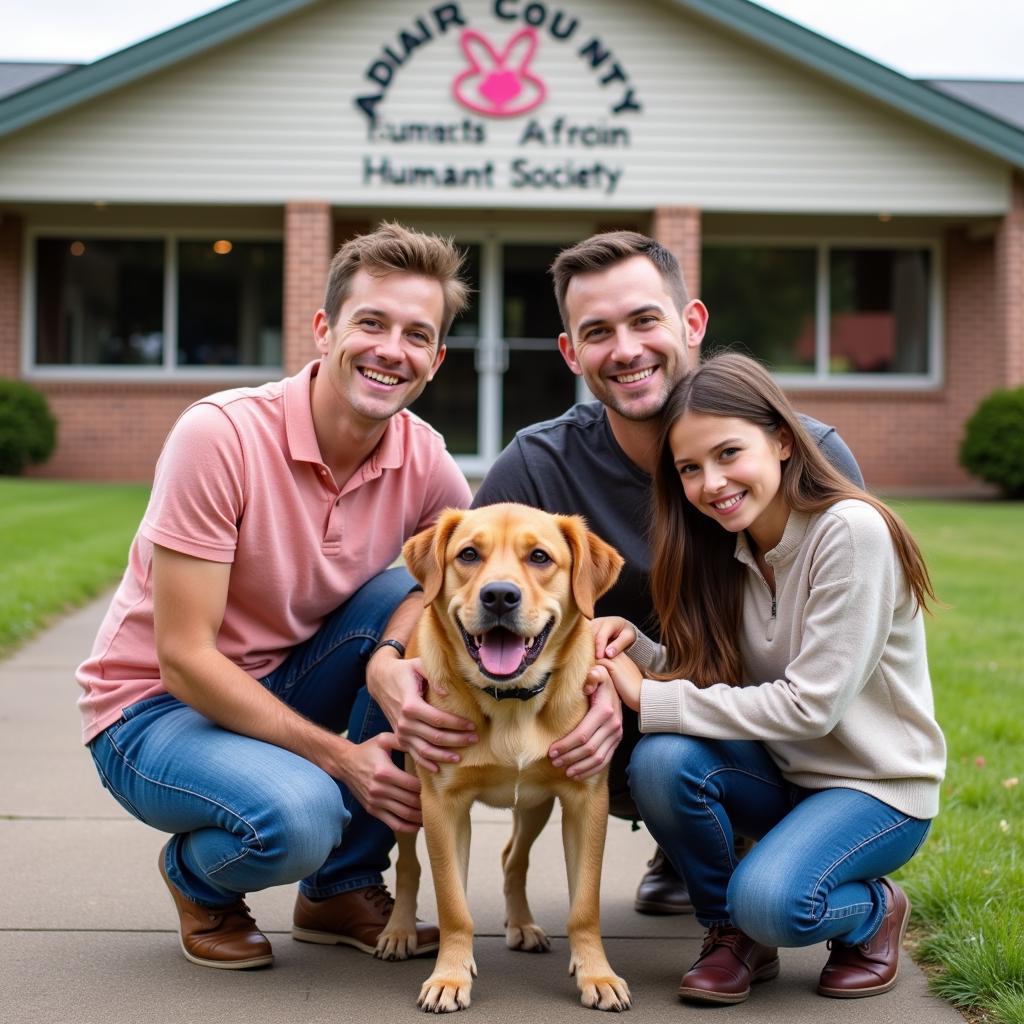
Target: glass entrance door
{"x":503,"y":370}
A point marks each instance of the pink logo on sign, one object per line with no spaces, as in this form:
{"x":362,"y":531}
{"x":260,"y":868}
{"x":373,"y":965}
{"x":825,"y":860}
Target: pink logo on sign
{"x":499,"y":84}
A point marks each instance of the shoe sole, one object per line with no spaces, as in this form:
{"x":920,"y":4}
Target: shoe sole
{"x":333,"y":939}
{"x":700,"y":995}
{"x":877,"y":990}
{"x":662,"y":909}
{"x":229,"y":965}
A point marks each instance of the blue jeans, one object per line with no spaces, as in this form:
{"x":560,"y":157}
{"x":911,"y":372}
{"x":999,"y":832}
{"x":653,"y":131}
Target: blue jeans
{"x":814,"y":873}
{"x":245,"y":814}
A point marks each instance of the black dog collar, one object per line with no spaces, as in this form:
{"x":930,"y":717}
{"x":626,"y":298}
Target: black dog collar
{"x":516,"y":692}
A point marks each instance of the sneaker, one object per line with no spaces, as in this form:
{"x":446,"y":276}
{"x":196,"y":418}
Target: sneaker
{"x":354,"y":918}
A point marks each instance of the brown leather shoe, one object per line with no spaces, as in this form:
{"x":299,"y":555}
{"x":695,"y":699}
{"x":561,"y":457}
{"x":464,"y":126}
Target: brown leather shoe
{"x":355,"y":918}
{"x":224,"y":937}
{"x":871,"y":968}
{"x":661,"y":890}
{"x":729,"y":963}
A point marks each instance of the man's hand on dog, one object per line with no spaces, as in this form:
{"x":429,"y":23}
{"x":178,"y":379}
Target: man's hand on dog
{"x":385,"y":790}
{"x":425,"y":732}
{"x":589,"y":747}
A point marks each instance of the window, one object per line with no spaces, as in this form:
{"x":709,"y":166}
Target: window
{"x":832,"y":313}
{"x":99,"y":301}
{"x":229,"y":303}
{"x":167,"y":304}
{"x":537,"y":384}
{"x":450,"y":402}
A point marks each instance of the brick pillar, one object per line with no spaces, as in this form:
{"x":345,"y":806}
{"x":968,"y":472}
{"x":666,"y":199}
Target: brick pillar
{"x":678,"y":229}
{"x":1009,"y":284}
{"x":10,"y":294}
{"x":308,"y":234}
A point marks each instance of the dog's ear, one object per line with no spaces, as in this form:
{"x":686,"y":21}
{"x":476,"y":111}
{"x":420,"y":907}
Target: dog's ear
{"x":595,"y":564}
{"x":424,"y":552}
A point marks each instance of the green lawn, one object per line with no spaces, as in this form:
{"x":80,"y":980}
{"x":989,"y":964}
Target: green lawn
{"x":62,"y":544}
{"x":967,"y":884}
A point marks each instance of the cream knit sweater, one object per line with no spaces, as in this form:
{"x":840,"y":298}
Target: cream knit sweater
{"x":837,"y":683}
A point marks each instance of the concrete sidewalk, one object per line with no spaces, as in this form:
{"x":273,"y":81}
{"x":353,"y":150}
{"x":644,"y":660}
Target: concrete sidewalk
{"x":88,"y":932}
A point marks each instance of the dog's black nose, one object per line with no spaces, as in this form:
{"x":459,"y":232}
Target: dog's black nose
{"x":500,"y":597}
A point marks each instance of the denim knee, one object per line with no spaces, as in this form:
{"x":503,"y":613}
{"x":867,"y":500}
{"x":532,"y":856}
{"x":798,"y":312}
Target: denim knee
{"x":387,"y":589}
{"x":664,"y":770}
{"x":764,"y":903}
{"x":296,"y":829}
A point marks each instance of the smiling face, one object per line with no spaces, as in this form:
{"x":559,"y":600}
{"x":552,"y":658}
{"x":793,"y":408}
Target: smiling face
{"x":731,"y":470}
{"x":626,"y":337}
{"x":508,"y":583}
{"x":384,"y":346}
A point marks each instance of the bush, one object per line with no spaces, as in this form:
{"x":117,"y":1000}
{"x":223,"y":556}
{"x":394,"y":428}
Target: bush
{"x":28,"y":432}
{"x":993,"y":448}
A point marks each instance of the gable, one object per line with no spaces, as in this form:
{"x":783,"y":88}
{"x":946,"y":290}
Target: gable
{"x":283,"y":112}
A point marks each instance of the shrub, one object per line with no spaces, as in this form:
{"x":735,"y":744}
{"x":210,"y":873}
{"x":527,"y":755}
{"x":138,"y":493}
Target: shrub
{"x":28,"y":432}
{"x":993,"y":447}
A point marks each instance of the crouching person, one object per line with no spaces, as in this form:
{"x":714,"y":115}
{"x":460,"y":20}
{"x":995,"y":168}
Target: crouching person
{"x":258,"y":614}
{"x":791,"y":703}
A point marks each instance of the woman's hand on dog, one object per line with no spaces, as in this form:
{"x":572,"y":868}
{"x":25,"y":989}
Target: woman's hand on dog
{"x":621,"y":673}
{"x":612,"y":635}
{"x":425,"y":733}
{"x":589,"y":747}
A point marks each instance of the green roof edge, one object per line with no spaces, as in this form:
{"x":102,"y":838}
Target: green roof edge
{"x":55,"y":95}
{"x":743,"y":17}
{"x":864,"y":75}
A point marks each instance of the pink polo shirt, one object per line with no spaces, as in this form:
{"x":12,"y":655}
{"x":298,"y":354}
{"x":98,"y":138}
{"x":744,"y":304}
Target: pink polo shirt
{"x":240,"y":480}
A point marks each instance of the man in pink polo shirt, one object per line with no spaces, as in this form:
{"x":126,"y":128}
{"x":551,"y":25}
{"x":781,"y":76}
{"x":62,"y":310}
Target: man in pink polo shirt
{"x":258,"y":606}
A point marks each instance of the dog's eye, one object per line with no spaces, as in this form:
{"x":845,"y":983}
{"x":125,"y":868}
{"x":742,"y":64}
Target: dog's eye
{"x":468,"y":555}
{"x":539,"y":557}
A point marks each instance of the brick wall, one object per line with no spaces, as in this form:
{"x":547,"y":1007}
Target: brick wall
{"x":308,"y":236}
{"x":10,"y":294}
{"x":678,"y":229}
{"x":1009,"y":278}
{"x":113,"y":431}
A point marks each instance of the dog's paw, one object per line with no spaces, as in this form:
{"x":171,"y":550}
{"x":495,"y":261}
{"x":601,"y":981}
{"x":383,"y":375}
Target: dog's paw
{"x":530,"y":938}
{"x":442,"y":994}
{"x":603,"y":992}
{"x":395,"y":945}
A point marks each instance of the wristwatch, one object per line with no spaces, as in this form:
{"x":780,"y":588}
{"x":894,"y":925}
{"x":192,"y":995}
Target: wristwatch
{"x":397,"y":644}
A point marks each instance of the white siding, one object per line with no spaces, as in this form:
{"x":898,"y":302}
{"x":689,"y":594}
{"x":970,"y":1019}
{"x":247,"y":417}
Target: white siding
{"x":725,"y":125}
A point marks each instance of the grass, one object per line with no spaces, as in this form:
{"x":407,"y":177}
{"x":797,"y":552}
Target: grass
{"x":967,"y":884}
{"x":65,"y":542}
{"x":62,"y":543}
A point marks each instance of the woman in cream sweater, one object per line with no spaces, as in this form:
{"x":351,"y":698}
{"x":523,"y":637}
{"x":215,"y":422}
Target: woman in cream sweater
{"x":790,"y":702}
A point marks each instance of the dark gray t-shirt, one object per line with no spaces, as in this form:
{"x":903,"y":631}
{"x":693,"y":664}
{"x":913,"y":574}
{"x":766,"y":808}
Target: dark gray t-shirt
{"x":574,"y":465}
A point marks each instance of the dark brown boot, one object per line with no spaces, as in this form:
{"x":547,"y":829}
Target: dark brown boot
{"x":871,"y":968}
{"x":354,"y":918}
{"x":661,"y":890}
{"x":224,"y":937}
{"x":729,"y":963}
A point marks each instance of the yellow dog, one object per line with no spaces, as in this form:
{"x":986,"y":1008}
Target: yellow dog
{"x":508,"y":592}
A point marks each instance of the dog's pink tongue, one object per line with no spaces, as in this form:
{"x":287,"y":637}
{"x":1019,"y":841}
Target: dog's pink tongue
{"x":501,"y":652}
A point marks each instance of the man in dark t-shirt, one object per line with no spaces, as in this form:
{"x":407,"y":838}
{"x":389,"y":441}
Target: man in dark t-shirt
{"x":631,"y":332}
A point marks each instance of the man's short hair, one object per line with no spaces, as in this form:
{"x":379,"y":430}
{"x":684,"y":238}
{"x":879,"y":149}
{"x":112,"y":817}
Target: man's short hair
{"x":396,"y":249}
{"x":599,"y":252}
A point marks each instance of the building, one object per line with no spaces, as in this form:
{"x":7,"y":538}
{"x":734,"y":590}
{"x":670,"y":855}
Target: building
{"x":167,"y":214}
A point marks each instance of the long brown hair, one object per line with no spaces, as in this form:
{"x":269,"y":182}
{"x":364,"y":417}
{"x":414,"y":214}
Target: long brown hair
{"x":696,"y":583}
